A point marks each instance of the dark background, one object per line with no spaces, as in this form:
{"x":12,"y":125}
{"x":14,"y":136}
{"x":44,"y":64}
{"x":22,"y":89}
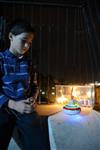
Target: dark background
{"x":67,"y":42}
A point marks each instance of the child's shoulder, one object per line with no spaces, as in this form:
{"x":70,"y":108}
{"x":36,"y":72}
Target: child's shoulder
{"x":2,"y":54}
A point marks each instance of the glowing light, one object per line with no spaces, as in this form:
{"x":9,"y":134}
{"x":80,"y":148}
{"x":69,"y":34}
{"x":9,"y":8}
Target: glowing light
{"x":61,"y":99}
{"x":53,"y":87}
{"x":77,"y":93}
{"x":83,"y":94}
{"x":76,"y":118}
{"x":89,"y":94}
{"x":40,"y":90}
{"x":53,"y":93}
{"x":43,"y":93}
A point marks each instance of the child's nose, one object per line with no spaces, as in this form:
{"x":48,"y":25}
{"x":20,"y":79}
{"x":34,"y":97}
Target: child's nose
{"x":27,"y":45}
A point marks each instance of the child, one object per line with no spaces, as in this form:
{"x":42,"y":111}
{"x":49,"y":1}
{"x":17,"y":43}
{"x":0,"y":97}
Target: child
{"x":16,"y":103}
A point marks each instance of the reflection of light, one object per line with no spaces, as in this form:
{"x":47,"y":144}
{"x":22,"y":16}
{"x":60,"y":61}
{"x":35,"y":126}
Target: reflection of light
{"x":92,"y":84}
{"x":89,"y":93}
{"x":78,"y":117}
{"x":75,"y":93}
{"x":78,"y":93}
{"x":93,"y":94}
{"x":61,"y":99}
{"x":75,"y":118}
{"x":82,"y":94}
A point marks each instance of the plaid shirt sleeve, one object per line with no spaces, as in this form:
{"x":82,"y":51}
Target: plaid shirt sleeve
{"x":3,"y":98}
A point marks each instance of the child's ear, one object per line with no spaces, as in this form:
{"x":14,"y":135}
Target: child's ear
{"x":10,"y":36}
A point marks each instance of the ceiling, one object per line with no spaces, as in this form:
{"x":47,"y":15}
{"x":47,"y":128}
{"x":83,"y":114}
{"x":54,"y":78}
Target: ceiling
{"x":58,"y":2}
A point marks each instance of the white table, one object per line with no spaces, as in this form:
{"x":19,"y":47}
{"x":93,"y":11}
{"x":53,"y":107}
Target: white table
{"x":13,"y":142}
{"x":13,"y":145}
{"x":75,"y":132}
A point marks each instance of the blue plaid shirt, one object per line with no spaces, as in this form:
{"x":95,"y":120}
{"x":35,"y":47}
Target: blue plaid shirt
{"x":14,"y":77}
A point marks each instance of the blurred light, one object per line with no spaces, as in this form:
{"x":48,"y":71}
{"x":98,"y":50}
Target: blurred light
{"x":77,"y":118}
{"x":77,"y":93}
{"x":89,"y":94}
{"x":83,"y":94}
{"x":53,"y":93}
{"x":53,"y":87}
{"x":43,"y":93}
{"x":61,"y":99}
{"x":40,"y":90}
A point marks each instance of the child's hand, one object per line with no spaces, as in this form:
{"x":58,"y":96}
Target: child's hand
{"x":22,"y":106}
{"x":32,"y":101}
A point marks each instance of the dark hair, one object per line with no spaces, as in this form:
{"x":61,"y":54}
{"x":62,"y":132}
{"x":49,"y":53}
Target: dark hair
{"x":20,"y":26}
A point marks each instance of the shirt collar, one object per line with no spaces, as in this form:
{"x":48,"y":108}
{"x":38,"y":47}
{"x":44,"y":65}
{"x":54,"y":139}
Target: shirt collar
{"x":9,"y":54}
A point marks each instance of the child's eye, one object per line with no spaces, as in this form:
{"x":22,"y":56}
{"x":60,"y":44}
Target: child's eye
{"x":23,"y":41}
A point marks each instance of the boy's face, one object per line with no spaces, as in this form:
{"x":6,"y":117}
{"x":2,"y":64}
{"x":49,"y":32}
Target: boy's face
{"x":20,"y":44}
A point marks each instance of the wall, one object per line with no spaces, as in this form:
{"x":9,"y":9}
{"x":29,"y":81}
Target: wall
{"x":63,"y":46}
